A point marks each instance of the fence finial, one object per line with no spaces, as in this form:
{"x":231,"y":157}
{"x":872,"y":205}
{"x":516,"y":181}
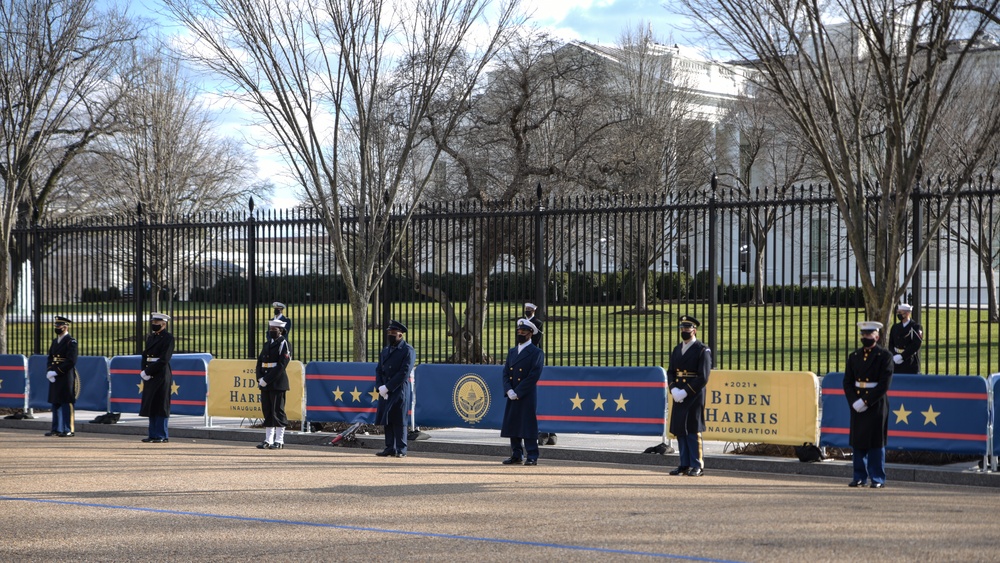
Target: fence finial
{"x":251,"y":204}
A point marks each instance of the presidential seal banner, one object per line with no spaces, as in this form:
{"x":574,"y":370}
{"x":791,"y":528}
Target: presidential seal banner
{"x":459,"y":395}
{"x":233,"y":392}
{"x":768,"y":407}
{"x":945,"y":413}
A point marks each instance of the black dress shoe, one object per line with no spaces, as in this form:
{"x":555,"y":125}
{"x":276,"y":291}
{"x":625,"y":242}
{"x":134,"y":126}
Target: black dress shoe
{"x":276,"y":446}
{"x":159,"y":440}
{"x":51,"y":433}
{"x":386,"y":453}
{"x":147,"y":440}
{"x":512,"y":461}
{"x":680,"y":471}
{"x":856,"y":484}
{"x":695,"y":472}
{"x":66,"y":434}
{"x":878,"y":485}
{"x":552,"y":439}
{"x":260,"y":446}
{"x":531,"y":462}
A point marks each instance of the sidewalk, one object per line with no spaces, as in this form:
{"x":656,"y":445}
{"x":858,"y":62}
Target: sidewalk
{"x":591,"y":448}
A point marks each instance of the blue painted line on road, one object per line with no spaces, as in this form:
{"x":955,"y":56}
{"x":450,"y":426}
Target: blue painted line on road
{"x":367,"y":529}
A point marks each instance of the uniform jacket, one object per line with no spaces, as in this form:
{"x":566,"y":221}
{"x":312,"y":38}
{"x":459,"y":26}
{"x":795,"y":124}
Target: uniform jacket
{"x":156,"y":363}
{"x":906,"y":341}
{"x":869,"y":429}
{"x":536,"y":339}
{"x":276,"y":357}
{"x":689,"y":371}
{"x":521,"y":373}
{"x":62,"y":360}
{"x":393,"y":371}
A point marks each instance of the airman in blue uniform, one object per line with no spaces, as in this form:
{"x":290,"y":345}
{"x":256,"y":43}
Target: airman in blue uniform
{"x":392,"y":380}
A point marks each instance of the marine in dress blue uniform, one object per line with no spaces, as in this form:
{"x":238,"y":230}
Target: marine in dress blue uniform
{"x":64,"y":381}
{"x":157,"y":378}
{"x":521,"y":373}
{"x":866,"y":381}
{"x":687,"y":376}
{"x":392,"y":380}
{"x":272,"y":379}
{"x":905,"y":339}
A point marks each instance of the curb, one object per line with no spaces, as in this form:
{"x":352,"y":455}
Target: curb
{"x":746,"y":464}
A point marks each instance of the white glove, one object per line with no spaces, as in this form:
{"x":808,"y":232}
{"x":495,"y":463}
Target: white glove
{"x":511,"y":395}
{"x":50,"y":373}
{"x":859,"y":406}
{"x":383,"y":390}
{"x":144,"y":377}
{"x":51,"y":376}
{"x":898,"y":358}
{"x":679,"y":395}
{"x":261,"y":382}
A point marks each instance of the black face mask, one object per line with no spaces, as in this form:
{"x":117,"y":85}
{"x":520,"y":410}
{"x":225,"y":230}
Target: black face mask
{"x":528,"y":313}
{"x":275,"y":333}
{"x":686,"y":335}
{"x":392,"y":339}
{"x":59,"y":329}
{"x":277,"y":312}
{"x":899,"y":318}
{"x":155,"y":328}
{"x":867,"y":342}
{"x":522,"y":338}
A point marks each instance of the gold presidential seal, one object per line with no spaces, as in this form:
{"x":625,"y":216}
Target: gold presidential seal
{"x":471,"y":398}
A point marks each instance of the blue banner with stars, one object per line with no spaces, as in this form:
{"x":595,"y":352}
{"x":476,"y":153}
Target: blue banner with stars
{"x":341,"y":392}
{"x":13,"y":381}
{"x":93,"y":371}
{"x":588,"y":400}
{"x":929,"y":413}
{"x":188,"y":392}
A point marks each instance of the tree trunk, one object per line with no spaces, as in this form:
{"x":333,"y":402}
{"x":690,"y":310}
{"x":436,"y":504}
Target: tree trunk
{"x":359,"y":316}
{"x":991,"y":289}
{"x":469,"y":340}
{"x":640,"y":278}
{"x":758,"y":276}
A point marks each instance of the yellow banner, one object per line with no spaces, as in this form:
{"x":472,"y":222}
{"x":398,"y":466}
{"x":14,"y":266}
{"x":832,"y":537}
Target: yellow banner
{"x":233,"y":392}
{"x":768,"y":407}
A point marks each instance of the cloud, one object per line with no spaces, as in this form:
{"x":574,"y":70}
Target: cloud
{"x":603,"y":21}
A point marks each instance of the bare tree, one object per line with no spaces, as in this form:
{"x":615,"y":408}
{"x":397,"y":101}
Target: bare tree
{"x":772,"y":155}
{"x":349,"y":83}
{"x":867,"y":94}
{"x":539,"y":119}
{"x":60,"y":80}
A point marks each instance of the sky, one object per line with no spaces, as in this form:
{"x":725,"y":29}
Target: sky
{"x":594,"y":21}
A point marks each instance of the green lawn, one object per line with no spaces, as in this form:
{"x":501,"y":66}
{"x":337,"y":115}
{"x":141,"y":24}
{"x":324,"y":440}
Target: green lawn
{"x":818,"y":339}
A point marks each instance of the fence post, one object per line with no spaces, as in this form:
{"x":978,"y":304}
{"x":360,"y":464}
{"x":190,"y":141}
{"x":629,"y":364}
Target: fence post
{"x":36,"y":282}
{"x":251,"y":283}
{"x":713,"y":270}
{"x":137,"y":276}
{"x":540,"y":265}
{"x":917,"y":240}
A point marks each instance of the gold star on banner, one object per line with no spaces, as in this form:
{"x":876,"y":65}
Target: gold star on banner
{"x":930,"y":417}
{"x":620,"y":401}
{"x":355,"y":396}
{"x":577,"y":402}
{"x":338,"y":395}
{"x":174,"y":388}
{"x":374,"y":394}
{"x":1,"y":384}
{"x":140,"y":387}
{"x":902,"y":415}
{"x":598,"y":402}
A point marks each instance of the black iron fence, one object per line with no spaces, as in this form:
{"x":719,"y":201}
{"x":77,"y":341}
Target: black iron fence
{"x":771,"y":277}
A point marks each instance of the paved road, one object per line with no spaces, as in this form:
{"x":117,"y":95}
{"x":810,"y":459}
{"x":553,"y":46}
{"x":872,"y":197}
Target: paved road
{"x":110,"y":497}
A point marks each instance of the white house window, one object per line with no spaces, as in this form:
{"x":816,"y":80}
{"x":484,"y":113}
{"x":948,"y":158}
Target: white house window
{"x":819,"y":246}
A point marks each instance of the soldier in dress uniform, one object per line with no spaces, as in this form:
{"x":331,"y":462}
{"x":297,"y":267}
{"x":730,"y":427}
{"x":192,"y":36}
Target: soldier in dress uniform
{"x":273,"y":382}
{"x":64,"y":382}
{"x":687,"y":376}
{"x":544,"y":438}
{"x":866,"y":382}
{"x":157,"y":378}
{"x":905,"y":338}
{"x":521,"y":372}
{"x":392,"y":379}
{"x":279,"y":315}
